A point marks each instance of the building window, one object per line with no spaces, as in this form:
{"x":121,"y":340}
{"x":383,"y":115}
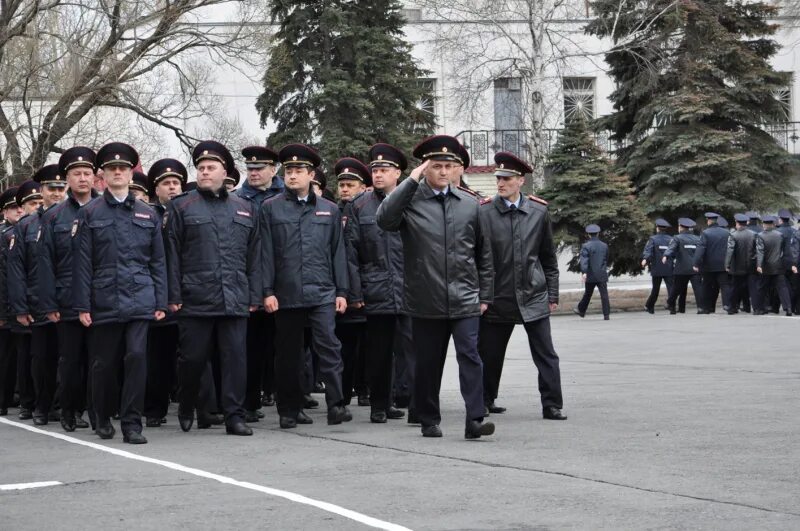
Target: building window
{"x":427,"y":98}
{"x":508,"y":113}
{"x":579,"y":95}
{"x":784,"y":97}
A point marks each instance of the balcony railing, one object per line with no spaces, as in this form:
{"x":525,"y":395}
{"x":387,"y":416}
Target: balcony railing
{"x":484,"y":143}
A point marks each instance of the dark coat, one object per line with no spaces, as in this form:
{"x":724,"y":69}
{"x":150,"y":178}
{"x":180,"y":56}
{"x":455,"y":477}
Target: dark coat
{"x":740,"y":258}
{"x":681,"y":252}
{"x":654,"y":251}
{"x":302,"y":251}
{"x":525,"y":262}
{"x":594,"y":260}
{"x":711,"y":251}
{"x":374,"y":257}
{"x":212,"y":254}
{"x":21,"y":268}
{"x":118,"y":267}
{"x":769,"y":252}
{"x":448,"y":258}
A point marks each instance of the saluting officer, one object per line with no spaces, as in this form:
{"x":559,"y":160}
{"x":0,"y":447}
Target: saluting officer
{"x":24,"y":288}
{"x":652,"y":255}
{"x":375,"y":259}
{"x":594,"y":271}
{"x":119,"y":285}
{"x":448,"y":279}
{"x":261,"y":184}
{"x":8,"y":362}
{"x":77,"y":166}
{"x":740,"y":263}
{"x":525,"y":284}
{"x":681,"y":253}
{"x":709,"y":261}
{"x":770,"y":265}
{"x":212,"y":259}
{"x":304,"y":281}
{"x":165,"y":180}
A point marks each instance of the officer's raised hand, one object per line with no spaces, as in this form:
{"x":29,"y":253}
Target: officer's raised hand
{"x":341,"y":304}
{"x":271,"y":304}
{"x":418,"y":171}
{"x":85,"y":318}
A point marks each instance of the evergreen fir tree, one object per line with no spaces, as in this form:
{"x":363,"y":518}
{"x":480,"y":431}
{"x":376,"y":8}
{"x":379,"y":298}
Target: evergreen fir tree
{"x":693,"y":86}
{"x":584,"y":189}
{"x":341,"y":77}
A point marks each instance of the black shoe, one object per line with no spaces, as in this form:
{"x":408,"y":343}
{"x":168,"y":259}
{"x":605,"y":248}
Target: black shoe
{"x":348,"y":416}
{"x":268,"y":400}
{"x":494,"y":408}
{"x":758,"y":312}
{"x":105,"y":431}
{"x":651,"y":311}
{"x":431,"y":431}
{"x":310,"y":403}
{"x":134,"y":437}
{"x":40,"y":421}
{"x":788,"y":314}
{"x":402,"y":401}
{"x":319,"y":388}
{"x":412,"y":417}
{"x":80,"y":423}
{"x":25,"y":414}
{"x":54,"y":416}
{"x":475,"y":429}
{"x":394,"y":413}
{"x":164,"y":420}
{"x":377,"y":417}
{"x":672,"y":311}
{"x":578,"y":312}
{"x":363,"y":400}
{"x":68,"y":421}
{"x":259,"y":414}
{"x":486,"y":412}
{"x":553,"y":413}
{"x":732,"y":312}
{"x":239,"y":428}
{"x":152,"y":423}
{"x":185,"y":421}
{"x":682,"y":311}
{"x":206,"y":420}
{"x":302,"y":418}
{"x":606,"y":318}
{"x":703,"y":312}
{"x":336,"y":415}
{"x":288,"y":423}
{"x":250,"y":416}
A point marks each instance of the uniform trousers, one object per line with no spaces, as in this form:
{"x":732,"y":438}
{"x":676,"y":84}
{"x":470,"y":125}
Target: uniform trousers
{"x":260,"y":357}
{"x":431,"y":337}
{"x":162,"y":355}
{"x":656,"y":288}
{"x":8,"y":369}
{"x":352,"y":337}
{"x":492,"y":344}
{"x":74,"y":366}
{"x":715,"y":284}
{"x":588,"y":290}
{"x":777,"y":283}
{"x":22,"y":345}
{"x":109,"y":344}
{"x":679,"y":291}
{"x":382,"y":333}
{"x":200,"y":338}
{"x":290,"y":356}
{"x":44,"y":366}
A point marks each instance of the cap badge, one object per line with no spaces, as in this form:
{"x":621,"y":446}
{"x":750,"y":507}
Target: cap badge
{"x":80,"y":159}
{"x":205,"y":152}
{"x":294,"y":157}
{"x":169,"y":169}
{"x":116,"y":157}
{"x":444,"y":150}
{"x":380,"y":157}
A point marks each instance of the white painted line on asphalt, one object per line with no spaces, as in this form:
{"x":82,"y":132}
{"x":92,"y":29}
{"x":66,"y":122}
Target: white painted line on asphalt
{"x":35,"y":485}
{"x":291,"y":496}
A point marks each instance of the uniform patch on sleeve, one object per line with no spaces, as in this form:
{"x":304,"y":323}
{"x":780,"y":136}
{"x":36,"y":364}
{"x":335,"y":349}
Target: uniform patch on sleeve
{"x":75,"y":227}
{"x":164,"y":220}
{"x":39,"y":233}
{"x":11,"y":242}
{"x":322,"y":213}
{"x":142,"y":216}
{"x":344,"y":221}
{"x":486,"y":200}
{"x":243,"y":213}
{"x":537,"y":199}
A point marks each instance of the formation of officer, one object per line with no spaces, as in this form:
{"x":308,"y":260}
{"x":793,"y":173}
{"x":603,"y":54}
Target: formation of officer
{"x":125,"y":290}
{"x":593,"y":261}
{"x":660,"y":271}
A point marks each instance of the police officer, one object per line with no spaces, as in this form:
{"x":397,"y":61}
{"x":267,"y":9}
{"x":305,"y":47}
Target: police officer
{"x":740,"y":263}
{"x":24,"y":289}
{"x":681,"y":253}
{"x":304,"y":280}
{"x":140,"y":186}
{"x":119,"y":286}
{"x":212,"y":259}
{"x":791,"y":250}
{"x":165,"y":180}
{"x":594,"y":271}
{"x":29,"y":199}
{"x":457,"y":180}
{"x":232,"y":178}
{"x":770,"y":264}
{"x":753,"y":223}
{"x":525,"y":284}
{"x":709,"y":261}
{"x":652,"y":255}
{"x":77,"y":167}
{"x":261,"y":184}
{"x":449,"y":258}
{"x":8,"y":352}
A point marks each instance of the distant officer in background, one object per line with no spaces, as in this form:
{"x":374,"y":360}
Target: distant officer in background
{"x":8,"y":353}
{"x":753,"y":222}
{"x":654,"y":251}
{"x":119,"y":286}
{"x":140,"y":186}
{"x":709,"y":261}
{"x":212,"y":260}
{"x":771,"y":266}
{"x":740,"y":263}
{"x":525,"y":285}
{"x":594,"y":271}
{"x":260,"y":185}
{"x":681,"y":253}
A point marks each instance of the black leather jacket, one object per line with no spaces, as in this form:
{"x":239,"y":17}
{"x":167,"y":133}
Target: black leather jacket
{"x":740,"y":258}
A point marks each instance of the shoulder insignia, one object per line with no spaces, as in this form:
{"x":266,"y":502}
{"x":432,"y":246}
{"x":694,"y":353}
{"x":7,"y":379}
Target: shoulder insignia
{"x":11,"y":241}
{"x":537,"y":199}
{"x":39,"y":233}
{"x":344,"y":221}
{"x":486,"y":200}
{"x":468,"y":191}
{"x":75,"y":227}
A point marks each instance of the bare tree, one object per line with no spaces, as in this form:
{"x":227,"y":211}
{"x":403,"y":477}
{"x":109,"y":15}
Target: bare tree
{"x":86,"y":71}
